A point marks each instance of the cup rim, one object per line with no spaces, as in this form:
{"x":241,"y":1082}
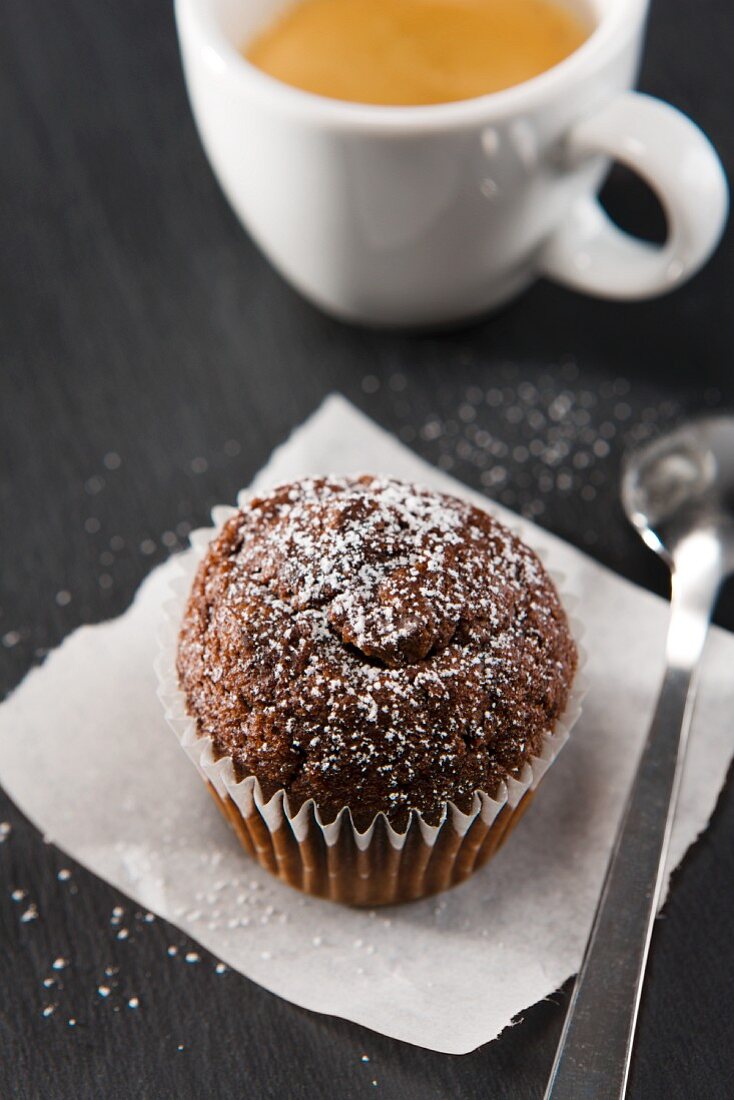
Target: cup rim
{"x":195,"y":19}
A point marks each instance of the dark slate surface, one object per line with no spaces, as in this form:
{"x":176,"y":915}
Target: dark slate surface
{"x":139,"y":322}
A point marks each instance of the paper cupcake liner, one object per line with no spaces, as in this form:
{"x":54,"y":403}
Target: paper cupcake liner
{"x":334,"y":860}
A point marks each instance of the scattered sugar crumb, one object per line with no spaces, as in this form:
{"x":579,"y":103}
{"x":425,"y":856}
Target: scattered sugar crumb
{"x":94,"y":485}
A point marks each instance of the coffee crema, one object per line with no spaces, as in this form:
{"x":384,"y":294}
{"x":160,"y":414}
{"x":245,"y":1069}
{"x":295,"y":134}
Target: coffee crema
{"x":414,"y":52}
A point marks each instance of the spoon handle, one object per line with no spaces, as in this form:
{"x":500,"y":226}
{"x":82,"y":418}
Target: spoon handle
{"x":593,"y":1056}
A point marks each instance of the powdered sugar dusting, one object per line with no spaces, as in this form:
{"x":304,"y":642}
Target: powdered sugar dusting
{"x":367,"y":640}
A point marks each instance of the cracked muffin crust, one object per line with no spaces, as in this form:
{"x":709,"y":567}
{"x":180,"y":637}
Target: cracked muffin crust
{"x":368,"y":643}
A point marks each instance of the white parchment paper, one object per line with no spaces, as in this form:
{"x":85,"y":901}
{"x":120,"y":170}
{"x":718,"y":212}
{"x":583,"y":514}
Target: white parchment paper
{"x":86,"y":754}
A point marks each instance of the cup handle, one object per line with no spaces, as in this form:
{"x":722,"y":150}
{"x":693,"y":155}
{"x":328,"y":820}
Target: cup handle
{"x":589,"y":253}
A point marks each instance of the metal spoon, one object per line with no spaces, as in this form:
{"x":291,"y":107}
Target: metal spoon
{"x":679,"y":494}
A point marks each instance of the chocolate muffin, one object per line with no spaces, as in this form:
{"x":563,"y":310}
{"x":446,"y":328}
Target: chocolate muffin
{"x":368,"y":644}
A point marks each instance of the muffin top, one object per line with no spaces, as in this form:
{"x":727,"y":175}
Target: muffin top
{"x":372,"y":644}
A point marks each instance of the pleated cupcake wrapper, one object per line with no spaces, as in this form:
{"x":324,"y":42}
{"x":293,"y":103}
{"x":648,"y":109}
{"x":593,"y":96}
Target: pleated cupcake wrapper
{"x":334,"y":860}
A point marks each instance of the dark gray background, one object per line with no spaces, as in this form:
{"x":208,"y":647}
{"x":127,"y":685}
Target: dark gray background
{"x":150,"y":361}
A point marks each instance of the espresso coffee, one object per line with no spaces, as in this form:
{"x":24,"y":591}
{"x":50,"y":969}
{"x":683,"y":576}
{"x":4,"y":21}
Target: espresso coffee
{"x":413,"y":52}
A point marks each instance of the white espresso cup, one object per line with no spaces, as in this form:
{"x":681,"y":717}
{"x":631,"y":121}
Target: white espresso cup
{"x":422,"y":216}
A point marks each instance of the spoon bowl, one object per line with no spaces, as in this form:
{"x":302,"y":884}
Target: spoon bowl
{"x":681,"y":483}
